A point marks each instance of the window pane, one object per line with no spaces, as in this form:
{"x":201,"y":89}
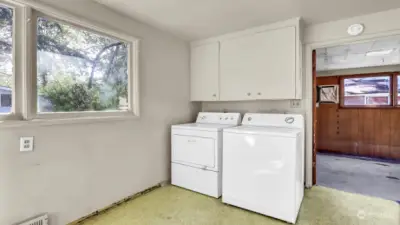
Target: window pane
{"x":367,"y":91}
{"x":5,"y":100}
{"x":398,"y":89}
{"x":6,"y":58}
{"x":80,"y":70}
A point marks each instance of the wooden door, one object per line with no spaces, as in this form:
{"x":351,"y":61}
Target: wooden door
{"x":204,"y":72}
{"x":315,"y":116}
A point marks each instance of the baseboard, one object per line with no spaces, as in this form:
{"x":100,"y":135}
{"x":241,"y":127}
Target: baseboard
{"x":105,"y":209}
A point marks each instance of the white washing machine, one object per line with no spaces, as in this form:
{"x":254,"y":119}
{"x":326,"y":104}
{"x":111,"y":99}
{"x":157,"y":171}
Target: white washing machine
{"x":263,"y":165}
{"x":197,"y":152}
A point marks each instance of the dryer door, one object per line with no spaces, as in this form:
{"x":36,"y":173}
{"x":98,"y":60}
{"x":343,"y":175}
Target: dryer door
{"x":194,"y":150}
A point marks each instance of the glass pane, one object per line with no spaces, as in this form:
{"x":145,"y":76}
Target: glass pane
{"x":80,"y":70}
{"x":398,"y":89}
{"x":367,"y":91}
{"x":5,"y":100}
{"x":6,"y":59}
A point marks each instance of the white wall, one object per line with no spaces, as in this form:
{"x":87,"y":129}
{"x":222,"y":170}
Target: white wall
{"x":79,"y":168}
{"x":375,"y":23}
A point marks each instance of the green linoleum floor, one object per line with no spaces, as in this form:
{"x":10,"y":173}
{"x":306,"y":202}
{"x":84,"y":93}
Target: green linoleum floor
{"x":175,"y":206}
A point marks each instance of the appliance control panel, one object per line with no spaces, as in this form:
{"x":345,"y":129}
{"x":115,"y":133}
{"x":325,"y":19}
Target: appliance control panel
{"x":275,"y":120}
{"x":219,"y":118}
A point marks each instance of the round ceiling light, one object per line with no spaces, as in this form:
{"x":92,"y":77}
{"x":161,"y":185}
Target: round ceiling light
{"x":355,"y":29}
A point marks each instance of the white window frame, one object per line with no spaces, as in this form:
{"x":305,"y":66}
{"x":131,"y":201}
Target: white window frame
{"x":16,"y":61}
{"x":25,"y":89}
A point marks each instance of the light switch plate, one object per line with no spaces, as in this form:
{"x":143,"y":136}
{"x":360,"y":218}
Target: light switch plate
{"x":295,"y":104}
{"x":26,"y":144}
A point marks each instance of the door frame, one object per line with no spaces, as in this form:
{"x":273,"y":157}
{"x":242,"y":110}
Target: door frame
{"x":314,"y":116}
{"x":308,"y":98}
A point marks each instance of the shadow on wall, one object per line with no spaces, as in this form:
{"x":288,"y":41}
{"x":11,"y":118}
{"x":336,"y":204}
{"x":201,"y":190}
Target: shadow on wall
{"x":264,"y":106}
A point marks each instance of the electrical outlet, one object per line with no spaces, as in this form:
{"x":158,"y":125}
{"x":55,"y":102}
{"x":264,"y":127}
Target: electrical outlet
{"x":295,"y":103}
{"x":26,"y":144}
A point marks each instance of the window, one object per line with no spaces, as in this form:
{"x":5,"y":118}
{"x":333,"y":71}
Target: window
{"x":6,"y":59}
{"x":63,"y":66}
{"x":369,"y":90}
{"x":398,"y":89}
{"x":79,"y":70}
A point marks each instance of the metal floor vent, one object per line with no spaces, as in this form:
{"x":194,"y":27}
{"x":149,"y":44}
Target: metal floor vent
{"x":40,"y":220}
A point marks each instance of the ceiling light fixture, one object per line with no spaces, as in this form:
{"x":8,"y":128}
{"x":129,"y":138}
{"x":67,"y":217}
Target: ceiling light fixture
{"x":355,"y":29}
{"x":380,"y":52}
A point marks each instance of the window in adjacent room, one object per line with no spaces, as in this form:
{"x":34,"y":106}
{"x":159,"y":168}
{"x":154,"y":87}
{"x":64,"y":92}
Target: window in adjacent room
{"x":398,"y":90}
{"x":367,"y":91}
{"x":370,"y":90}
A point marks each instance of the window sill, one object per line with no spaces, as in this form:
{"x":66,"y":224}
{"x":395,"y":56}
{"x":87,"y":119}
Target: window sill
{"x":369,"y":107}
{"x":64,"y":121}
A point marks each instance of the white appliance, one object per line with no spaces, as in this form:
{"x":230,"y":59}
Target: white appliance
{"x":263,"y":165}
{"x":197,"y":152}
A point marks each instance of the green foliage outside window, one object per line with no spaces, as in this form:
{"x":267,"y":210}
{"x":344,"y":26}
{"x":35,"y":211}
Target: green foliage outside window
{"x":77,"y":69}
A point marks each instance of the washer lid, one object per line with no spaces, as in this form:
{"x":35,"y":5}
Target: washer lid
{"x":202,"y":126}
{"x":265,"y":130}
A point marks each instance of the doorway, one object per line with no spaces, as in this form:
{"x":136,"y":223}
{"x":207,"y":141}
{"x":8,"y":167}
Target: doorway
{"x":356,"y":117}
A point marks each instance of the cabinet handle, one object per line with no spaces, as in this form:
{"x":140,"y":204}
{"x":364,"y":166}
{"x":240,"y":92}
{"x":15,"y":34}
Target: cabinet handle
{"x":248,"y":94}
{"x":259,"y":93}
{"x":214,"y":95}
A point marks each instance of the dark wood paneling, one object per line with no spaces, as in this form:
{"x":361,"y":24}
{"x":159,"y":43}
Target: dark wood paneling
{"x":395,"y":134}
{"x":359,"y":131}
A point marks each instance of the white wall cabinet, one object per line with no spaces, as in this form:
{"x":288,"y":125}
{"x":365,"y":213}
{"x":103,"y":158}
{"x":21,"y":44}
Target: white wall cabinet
{"x":204,"y":67}
{"x":237,"y":60}
{"x":256,"y":64}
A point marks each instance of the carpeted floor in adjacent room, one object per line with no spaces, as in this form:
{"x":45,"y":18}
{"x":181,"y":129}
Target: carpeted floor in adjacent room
{"x":175,"y":206}
{"x":366,"y":176}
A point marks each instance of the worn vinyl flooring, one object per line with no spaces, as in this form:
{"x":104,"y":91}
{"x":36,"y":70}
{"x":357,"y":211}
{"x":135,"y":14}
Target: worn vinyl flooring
{"x":175,"y":206}
{"x":357,"y":175}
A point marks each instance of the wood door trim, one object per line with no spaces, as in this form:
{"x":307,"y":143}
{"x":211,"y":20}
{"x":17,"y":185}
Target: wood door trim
{"x":314,"y":115}
{"x":395,"y":89}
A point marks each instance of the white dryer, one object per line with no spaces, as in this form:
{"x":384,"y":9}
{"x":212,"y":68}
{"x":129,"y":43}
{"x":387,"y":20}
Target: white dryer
{"x":197,"y":152}
{"x":263,"y":165}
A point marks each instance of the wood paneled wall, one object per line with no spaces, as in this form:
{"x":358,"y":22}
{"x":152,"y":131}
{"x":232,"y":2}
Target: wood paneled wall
{"x":363,"y":132}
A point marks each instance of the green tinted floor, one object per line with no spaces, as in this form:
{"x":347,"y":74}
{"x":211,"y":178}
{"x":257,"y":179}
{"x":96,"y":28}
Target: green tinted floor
{"x":175,"y":206}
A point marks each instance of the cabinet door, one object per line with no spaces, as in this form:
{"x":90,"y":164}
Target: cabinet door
{"x":236,"y":69}
{"x":259,"y":66}
{"x":275,"y":60}
{"x":205,"y":72}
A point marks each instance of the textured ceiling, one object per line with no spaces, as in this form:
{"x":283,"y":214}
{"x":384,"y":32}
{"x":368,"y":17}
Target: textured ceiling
{"x":197,"y":19}
{"x":355,"y":55}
